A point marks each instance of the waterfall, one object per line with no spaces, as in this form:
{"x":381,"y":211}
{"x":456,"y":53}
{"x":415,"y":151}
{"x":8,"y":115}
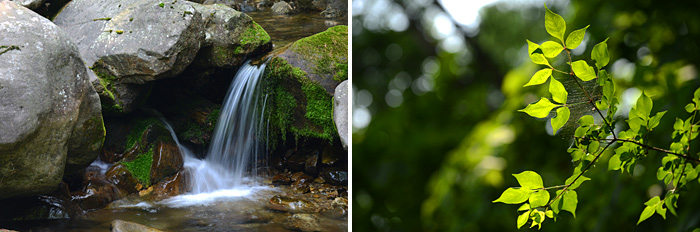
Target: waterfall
{"x":239,"y":137}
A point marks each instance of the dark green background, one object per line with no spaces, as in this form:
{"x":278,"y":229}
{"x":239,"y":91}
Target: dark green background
{"x":436,"y":162}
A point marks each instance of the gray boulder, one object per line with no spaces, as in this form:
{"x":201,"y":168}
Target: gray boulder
{"x":340,"y":112}
{"x":281,"y":7}
{"x":132,"y":42}
{"x":48,"y":108}
{"x":31,"y":4}
{"x":230,"y":37}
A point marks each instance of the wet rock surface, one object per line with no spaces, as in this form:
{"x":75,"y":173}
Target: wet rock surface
{"x":340,"y":112}
{"x":303,"y":222}
{"x":47,"y":105}
{"x":127,"y":226}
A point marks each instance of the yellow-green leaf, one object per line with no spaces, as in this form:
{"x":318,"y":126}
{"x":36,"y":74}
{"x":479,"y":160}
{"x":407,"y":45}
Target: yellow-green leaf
{"x":525,"y":206}
{"x":551,"y":49}
{"x":583,"y":71}
{"x":690,"y":107}
{"x":530,"y":180}
{"x":648,"y":211}
{"x":578,"y":182}
{"x":514,"y":196}
{"x":558,"y":91}
{"x":540,"y":109}
{"x":522,"y":219}
{"x":539,"y":198}
{"x":555,"y":24}
{"x":600,"y":54}
{"x":575,"y":38}
{"x":539,"y":77}
{"x":569,"y":201}
{"x":644,"y":105}
{"x":557,"y":122}
{"x":536,"y":58}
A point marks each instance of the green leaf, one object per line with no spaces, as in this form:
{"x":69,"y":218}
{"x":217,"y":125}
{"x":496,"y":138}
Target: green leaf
{"x":514,"y":196}
{"x":529,"y":180}
{"x":555,"y":24}
{"x":648,"y":211}
{"x":690,"y":107}
{"x":536,"y":58}
{"x":654,"y":121}
{"x":578,"y":182}
{"x":653,"y":201}
{"x":671,"y":202}
{"x":600,"y":54}
{"x":586,"y":120}
{"x":525,"y":206}
{"x":551,"y":49}
{"x":561,"y":118}
{"x":558,"y":91}
{"x":549,"y":214}
{"x":539,"y":198}
{"x":593,"y":147}
{"x":522,"y":219}
{"x":661,"y":173}
{"x":583,"y":71}
{"x":540,"y":109}
{"x":569,"y":202}
{"x":644,"y":105}
{"x":660,"y":210}
{"x":557,"y":204}
{"x":537,"y":218}
{"x":539,"y":77}
{"x":575,"y":38}
{"x":614,"y":163}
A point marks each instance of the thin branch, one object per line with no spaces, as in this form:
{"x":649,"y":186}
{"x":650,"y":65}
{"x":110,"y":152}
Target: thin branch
{"x":579,"y":175}
{"x":644,"y":146}
{"x":590,"y":99}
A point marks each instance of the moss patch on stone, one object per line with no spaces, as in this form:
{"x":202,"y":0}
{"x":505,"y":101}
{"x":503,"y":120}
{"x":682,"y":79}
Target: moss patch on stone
{"x":137,"y":131}
{"x":141,"y":167}
{"x":310,"y":101}
{"x":327,"y":50}
{"x":253,"y":37}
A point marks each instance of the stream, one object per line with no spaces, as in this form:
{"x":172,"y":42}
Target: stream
{"x":259,"y":206}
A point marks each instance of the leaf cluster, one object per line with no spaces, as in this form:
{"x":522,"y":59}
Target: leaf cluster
{"x":591,"y":138}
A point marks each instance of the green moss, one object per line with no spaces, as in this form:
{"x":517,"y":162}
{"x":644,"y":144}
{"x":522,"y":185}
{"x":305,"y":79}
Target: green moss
{"x":141,"y":167}
{"x":281,"y":78}
{"x":327,"y":50}
{"x":255,"y":35}
{"x":137,"y":131}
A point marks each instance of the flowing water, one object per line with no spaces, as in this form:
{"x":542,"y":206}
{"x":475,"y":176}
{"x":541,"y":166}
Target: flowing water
{"x":238,"y":137}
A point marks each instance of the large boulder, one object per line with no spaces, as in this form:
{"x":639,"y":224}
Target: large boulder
{"x":49,"y":117}
{"x":128,"y":42}
{"x":302,"y":79}
{"x":31,"y":4}
{"x":231,"y":37}
{"x":340,"y":112}
{"x":281,"y":7}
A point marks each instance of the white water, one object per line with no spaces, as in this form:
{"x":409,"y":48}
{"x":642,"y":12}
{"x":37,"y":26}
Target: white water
{"x":234,"y":148}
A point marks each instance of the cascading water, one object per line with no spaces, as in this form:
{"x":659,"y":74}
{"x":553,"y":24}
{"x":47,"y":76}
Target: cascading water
{"x":236,"y":142}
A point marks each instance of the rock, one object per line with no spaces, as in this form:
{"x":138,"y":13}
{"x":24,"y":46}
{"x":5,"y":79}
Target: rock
{"x":96,"y":194}
{"x":302,"y":79}
{"x":282,"y":179}
{"x":132,"y":42}
{"x":167,"y":160}
{"x":231,"y":37}
{"x":281,"y":7}
{"x":335,"y":176}
{"x":120,"y":177}
{"x":88,"y":134}
{"x":311,"y":163}
{"x":302,"y":222}
{"x":301,"y":182}
{"x":244,"y":7}
{"x":171,"y":186}
{"x":335,"y":9}
{"x":265,"y":3}
{"x":126,"y":226}
{"x":43,"y":86}
{"x":47,"y":207}
{"x":340,"y":112}
{"x":293,"y":205}
{"x":31,"y":4}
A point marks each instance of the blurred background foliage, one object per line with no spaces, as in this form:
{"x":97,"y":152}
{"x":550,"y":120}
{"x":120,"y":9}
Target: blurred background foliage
{"x":436,"y":135}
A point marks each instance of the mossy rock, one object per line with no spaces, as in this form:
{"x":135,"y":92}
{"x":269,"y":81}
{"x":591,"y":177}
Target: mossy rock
{"x":301,"y":80}
{"x":323,"y":56}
